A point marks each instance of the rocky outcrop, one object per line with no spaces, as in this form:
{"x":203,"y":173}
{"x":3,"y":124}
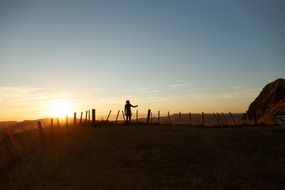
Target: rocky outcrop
{"x":269,"y":103}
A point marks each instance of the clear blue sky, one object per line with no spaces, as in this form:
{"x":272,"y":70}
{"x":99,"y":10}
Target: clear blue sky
{"x":172,"y":55}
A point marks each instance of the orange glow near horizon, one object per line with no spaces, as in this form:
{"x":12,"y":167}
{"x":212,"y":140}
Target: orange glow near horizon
{"x":60,"y":107}
{"x":45,"y":104}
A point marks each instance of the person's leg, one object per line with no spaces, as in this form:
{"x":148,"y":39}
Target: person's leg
{"x":130,"y":117}
{"x":127,"y":119}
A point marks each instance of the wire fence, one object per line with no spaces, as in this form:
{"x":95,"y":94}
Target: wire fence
{"x":14,"y":143}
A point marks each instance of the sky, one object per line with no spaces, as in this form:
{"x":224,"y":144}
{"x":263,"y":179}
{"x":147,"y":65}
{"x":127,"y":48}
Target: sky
{"x":167,"y":55}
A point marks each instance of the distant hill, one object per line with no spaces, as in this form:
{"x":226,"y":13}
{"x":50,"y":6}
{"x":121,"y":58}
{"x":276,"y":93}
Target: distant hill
{"x":269,"y":103}
{"x":7,"y":123}
{"x":21,"y":126}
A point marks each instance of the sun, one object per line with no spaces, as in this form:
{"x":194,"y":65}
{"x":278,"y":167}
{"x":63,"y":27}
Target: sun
{"x":60,"y":108}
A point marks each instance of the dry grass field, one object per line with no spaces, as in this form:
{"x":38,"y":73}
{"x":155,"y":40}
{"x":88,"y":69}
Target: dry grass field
{"x":149,"y":157}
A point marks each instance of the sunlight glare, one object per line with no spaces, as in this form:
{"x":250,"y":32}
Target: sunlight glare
{"x":60,"y":108}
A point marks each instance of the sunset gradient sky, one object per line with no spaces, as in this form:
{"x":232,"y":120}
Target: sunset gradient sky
{"x":171,"y":55}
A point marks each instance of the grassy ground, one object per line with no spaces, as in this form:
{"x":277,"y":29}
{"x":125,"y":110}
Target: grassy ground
{"x":155,"y":157}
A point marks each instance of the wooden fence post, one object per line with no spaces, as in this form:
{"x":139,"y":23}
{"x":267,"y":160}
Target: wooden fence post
{"x":40,"y":127}
{"x":117,"y":116}
{"x":89,"y":116}
{"x":169,"y":121}
{"x":151,"y":117}
{"x":93,"y":116}
{"x":80,"y":121}
{"x":74,"y":118}
{"x":108,"y":116}
{"x":148,"y":116}
{"x":86,"y":118}
{"x":180,"y":122}
{"x":190,"y":117}
{"x":58,"y":125}
{"x":203,"y":120}
{"x":158,"y":117}
{"x":51,"y":126}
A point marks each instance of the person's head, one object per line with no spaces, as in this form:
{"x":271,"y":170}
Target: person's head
{"x":128,"y":101}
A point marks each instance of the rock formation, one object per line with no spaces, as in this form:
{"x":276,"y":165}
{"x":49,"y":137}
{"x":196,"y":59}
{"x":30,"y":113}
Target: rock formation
{"x":269,"y":103}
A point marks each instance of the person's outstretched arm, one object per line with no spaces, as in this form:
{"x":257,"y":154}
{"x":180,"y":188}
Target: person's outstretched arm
{"x":134,"y":106}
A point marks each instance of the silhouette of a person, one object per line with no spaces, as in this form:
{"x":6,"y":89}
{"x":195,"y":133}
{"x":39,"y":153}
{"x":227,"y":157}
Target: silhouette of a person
{"x":128,"y":111}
